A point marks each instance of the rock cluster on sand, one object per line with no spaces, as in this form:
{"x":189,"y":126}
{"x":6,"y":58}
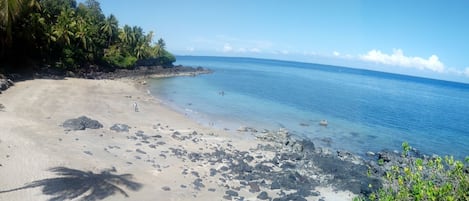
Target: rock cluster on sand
{"x":81,"y":123}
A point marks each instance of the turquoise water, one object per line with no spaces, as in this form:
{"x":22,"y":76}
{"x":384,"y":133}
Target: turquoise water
{"x":366,"y":110}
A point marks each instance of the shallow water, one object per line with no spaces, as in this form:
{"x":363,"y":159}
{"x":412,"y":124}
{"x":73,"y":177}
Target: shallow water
{"x":366,"y":110}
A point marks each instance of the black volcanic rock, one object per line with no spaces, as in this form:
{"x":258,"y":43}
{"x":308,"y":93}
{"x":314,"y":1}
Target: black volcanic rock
{"x":81,"y":123}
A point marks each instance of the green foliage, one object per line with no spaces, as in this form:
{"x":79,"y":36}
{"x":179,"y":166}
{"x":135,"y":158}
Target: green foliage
{"x":115,"y":57}
{"x":166,"y":58}
{"x":380,"y":161}
{"x":405,"y":148}
{"x":68,"y":35}
{"x":425,"y":179}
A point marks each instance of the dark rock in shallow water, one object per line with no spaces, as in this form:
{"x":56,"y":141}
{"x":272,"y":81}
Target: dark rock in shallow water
{"x":308,"y":146}
{"x":81,"y":123}
{"x":120,"y":128}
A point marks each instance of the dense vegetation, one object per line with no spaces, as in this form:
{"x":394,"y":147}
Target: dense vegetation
{"x":420,"y":179}
{"x":66,"y":35}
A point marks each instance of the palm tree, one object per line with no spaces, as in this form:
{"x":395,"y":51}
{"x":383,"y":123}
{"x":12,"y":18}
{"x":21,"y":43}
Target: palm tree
{"x":125,"y":36}
{"x":110,"y":28}
{"x":63,"y":30}
{"x":82,"y":35}
{"x":160,"y":46}
{"x":10,"y":10}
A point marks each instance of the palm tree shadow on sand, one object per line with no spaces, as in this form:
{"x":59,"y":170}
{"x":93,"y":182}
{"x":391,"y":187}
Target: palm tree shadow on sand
{"x":77,"y":184}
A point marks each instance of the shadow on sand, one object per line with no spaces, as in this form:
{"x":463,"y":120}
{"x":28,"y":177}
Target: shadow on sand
{"x":77,"y":184}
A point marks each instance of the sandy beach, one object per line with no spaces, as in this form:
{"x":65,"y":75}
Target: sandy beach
{"x":162,"y":156}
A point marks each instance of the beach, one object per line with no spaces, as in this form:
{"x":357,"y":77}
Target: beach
{"x":163,"y":156}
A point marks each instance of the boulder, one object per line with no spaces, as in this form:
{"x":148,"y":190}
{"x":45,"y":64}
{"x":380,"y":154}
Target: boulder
{"x":5,"y":84}
{"x":263,"y":196}
{"x":120,"y":128}
{"x":81,"y":123}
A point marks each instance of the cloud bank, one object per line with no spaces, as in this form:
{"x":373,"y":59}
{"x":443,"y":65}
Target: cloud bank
{"x":398,"y":58}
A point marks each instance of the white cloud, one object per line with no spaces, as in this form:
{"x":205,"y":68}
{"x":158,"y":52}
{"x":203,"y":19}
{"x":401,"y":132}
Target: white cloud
{"x":399,"y":59}
{"x":190,"y":49}
{"x":227,"y":48}
{"x":466,"y":71}
{"x":335,"y":53}
{"x":255,"y":50}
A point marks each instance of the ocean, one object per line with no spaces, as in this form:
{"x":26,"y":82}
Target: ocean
{"x":365,"y":110}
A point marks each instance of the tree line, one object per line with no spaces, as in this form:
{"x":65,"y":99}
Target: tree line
{"x":67,"y":35}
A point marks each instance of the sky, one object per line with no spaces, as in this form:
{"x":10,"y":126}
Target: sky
{"x":427,"y":38}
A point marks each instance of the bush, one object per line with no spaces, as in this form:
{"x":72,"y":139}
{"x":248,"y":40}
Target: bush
{"x":435,"y":178}
{"x":115,"y":57}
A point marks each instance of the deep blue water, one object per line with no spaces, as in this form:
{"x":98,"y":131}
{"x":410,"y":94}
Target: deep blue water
{"x":366,"y":110}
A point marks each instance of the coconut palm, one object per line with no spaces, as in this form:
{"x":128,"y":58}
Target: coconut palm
{"x":110,"y":28}
{"x":10,"y":10}
{"x":63,"y":30}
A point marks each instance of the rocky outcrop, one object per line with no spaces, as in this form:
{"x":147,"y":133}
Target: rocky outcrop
{"x":5,"y":83}
{"x":305,"y":164}
{"x":81,"y":123}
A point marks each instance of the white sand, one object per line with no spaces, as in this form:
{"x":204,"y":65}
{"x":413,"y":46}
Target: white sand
{"x":32,"y":141}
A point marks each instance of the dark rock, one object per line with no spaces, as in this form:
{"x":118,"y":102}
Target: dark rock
{"x":5,"y":84}
{"x":288,"y":165}
{"x":254,"y":187}
{"x":81,"y":123}
{"x":249,"y":158}
{"x":120,"y":128}
{"x":263,"y":168}
{"x":211,"y":189}
{"x":388,"y":156}
{"x":290,"y":156}
{"x":140,"y":151}
{"x":196,"y":174}
{"x":166,"y":188}
{"x":315,"y":193}
{"x":275,"y":185}
{"x":231,"y":193}
{"x":213,"y":172}
{"x":263,"y":196}
{"x":224,"y":169}
{"x":308,"y":146}
{"x":198,"y":184}
{"x":227,"y":197}
{"x":194,"y":156}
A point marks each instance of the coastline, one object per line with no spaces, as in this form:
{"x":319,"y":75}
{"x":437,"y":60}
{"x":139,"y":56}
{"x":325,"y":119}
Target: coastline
{"x":168,"y":154}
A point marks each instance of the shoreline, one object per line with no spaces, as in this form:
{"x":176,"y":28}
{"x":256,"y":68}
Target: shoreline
{"x":167,"y":153}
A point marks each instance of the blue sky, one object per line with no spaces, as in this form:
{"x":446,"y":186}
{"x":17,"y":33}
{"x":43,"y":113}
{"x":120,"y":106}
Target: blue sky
{"x":424,"y":38}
